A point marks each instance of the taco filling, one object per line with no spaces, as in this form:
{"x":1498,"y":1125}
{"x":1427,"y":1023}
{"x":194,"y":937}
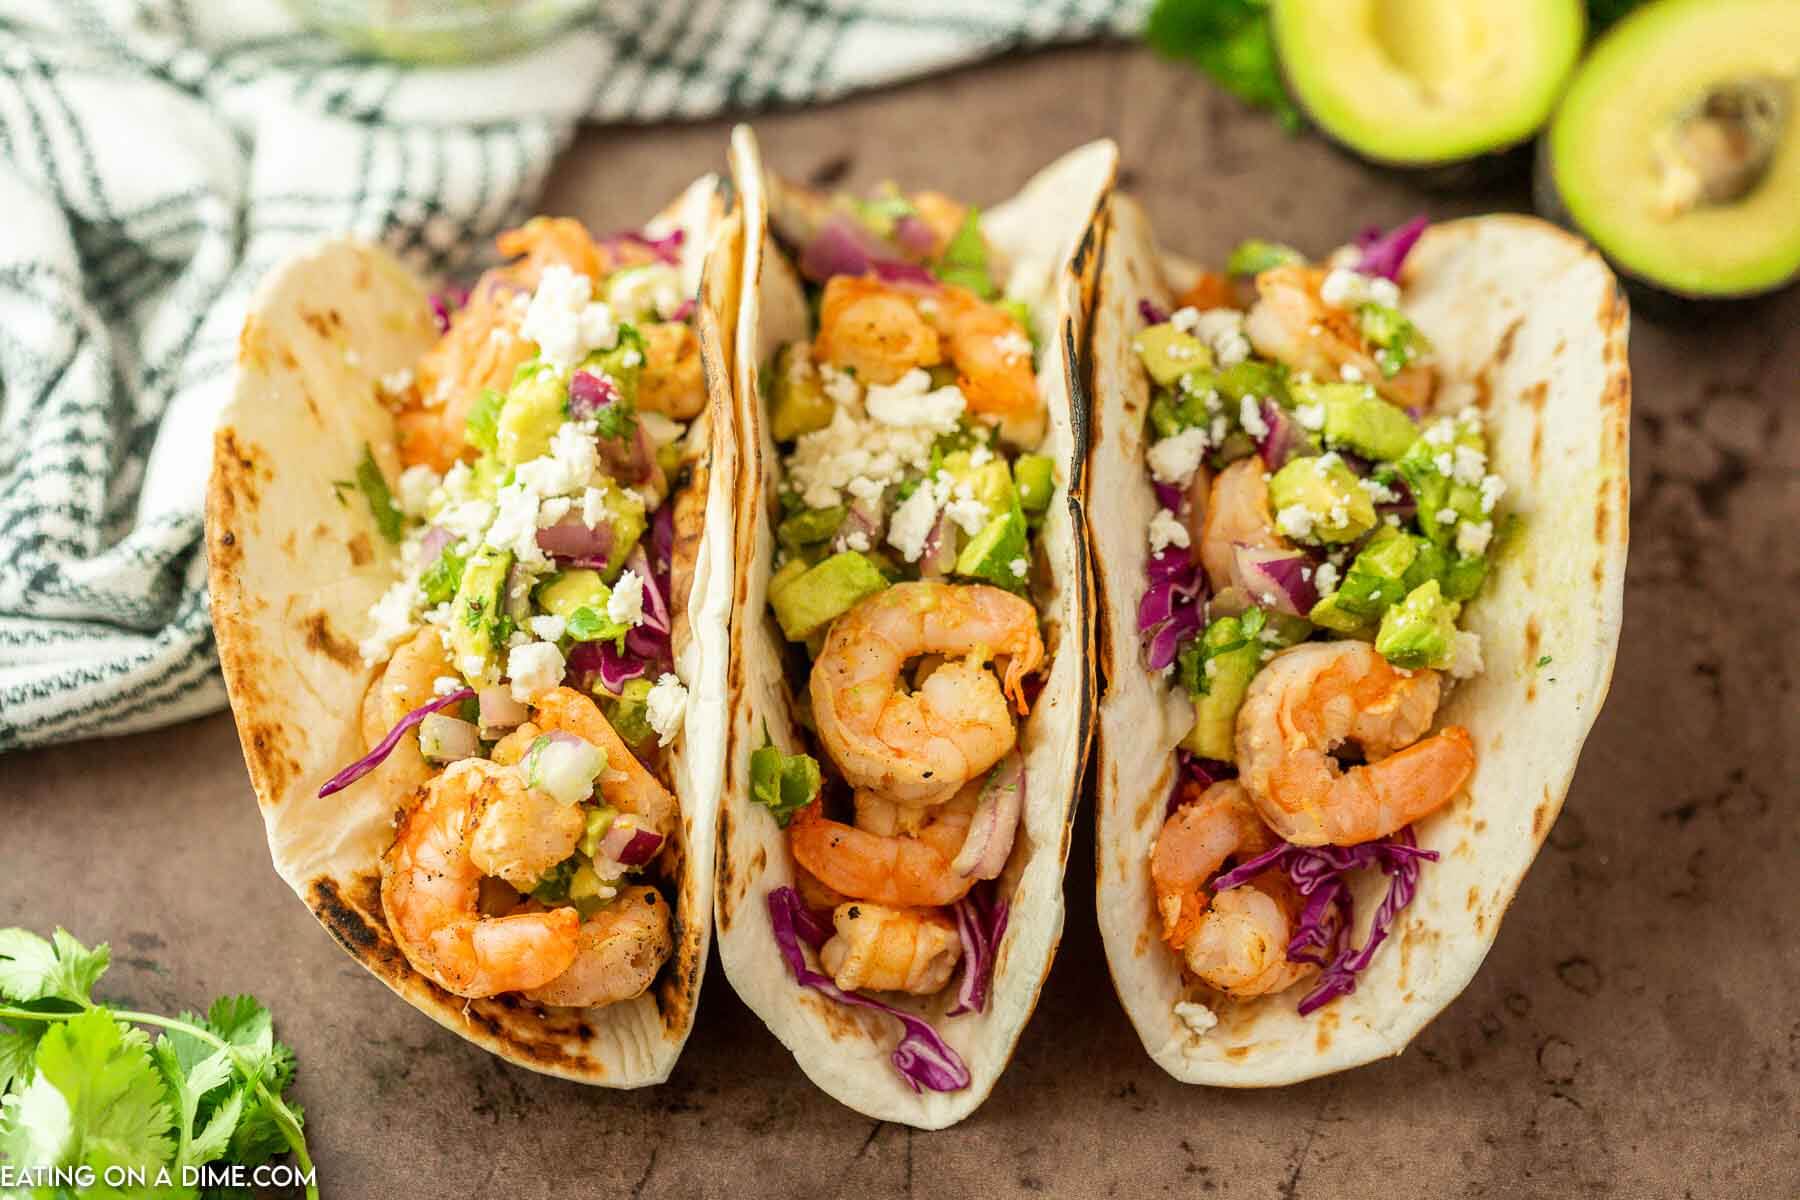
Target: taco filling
{"x":1320,"y":531}
{"x":911,"y":498}
{"x":526,"y":699}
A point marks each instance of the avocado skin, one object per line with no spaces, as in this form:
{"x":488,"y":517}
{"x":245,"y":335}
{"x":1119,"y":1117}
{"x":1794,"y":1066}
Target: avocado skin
{"x":1648,"y":298}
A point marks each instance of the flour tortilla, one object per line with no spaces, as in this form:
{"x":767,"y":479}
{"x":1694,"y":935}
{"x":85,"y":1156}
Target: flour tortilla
{"x":294,"y":569}
{"x":1048,"y":234}
{"x":1529,"y":325}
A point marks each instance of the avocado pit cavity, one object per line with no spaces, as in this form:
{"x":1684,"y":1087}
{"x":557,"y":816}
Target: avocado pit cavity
{"x":1717,"y":151}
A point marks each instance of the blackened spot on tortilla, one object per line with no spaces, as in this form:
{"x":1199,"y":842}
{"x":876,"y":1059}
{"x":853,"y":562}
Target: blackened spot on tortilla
{"x":321,"y":638}
{"x":361,"y":552}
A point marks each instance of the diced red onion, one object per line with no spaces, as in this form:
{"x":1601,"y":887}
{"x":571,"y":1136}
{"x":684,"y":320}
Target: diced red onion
{"x":667,"y":248}
{"x":1384,"y":254}
{"x":616,"y":669}
{"x":864,"y":517}
{"x":444,"y":305}
{"x":431,"y":546}
{"x":890,"y":270}
{"x":684,"y":311}
{"x":1280,"y":578}
{"x":447,"y":739}
{"x":375,"y":757}
{"x":1322,"y":933}
{"x":980,"y":924}
{"x":838,"y":247}
{"x":995,"y":822}
{"x":1152,"y":312}
{"x":1165,"y":643}
{"x":564,"y":766}
{"x":662,"y":541}
{"x":914,"y":236}
{"x":626,"y":843}
{"x":1170,"y":612}
{"x":1283,"y":436}
{"x":938,"y":557}
{"x":499,"y":710}
{"x":589,"y":393}
{"x":1406,"y":507}
{"x":1168,"y":495}
{"x":569,"y":538}
{"x":923,"y":1058}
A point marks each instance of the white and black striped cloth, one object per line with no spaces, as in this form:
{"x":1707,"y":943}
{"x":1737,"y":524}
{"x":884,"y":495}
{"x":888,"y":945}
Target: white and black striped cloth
{"x":157,"y":156}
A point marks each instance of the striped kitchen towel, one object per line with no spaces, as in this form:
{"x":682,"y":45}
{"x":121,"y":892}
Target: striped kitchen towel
{"x":157,"y":156}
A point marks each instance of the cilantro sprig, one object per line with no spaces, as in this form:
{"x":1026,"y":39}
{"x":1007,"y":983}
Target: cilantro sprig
{"x":81,"y":1085}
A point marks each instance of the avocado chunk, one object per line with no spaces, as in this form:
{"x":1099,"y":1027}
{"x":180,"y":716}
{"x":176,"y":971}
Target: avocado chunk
{"x":623,"y":511}
{"x":1375,"y":579}
{"x":1261,"y":380}
{"x":998,"y":554}
{"x":1330,"y":613}
{"x":1217,"y":668}
{"x":1168,"y":354}
{"x":1417,"y":632}
{"x":1318,"y":499}
{"x":789,"y":571}
{"x":798,"y":403}
{"x":476,"y":614}
{"x":1035,"y":477}
{"x":783,"y":783}
{"x":1255,"y":256}
{"x":624,"y":365}
{"x":580,"y":598}
{"x":1358,"y":419}
{"x":1427,"y":82}
{"x":809,"y":527}
{"x":1677,"y":147}
{"x":536,"y":407}
{"x":598,"y":819}
{"x":991,"y":483}
{"x":822,"y":593}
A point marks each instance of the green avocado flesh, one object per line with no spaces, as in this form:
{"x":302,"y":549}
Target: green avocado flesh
{"x":1655,"y":156}
{"x":1427,"y":82}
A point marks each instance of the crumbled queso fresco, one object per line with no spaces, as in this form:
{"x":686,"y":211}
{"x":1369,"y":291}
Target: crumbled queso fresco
{"x":665,"y":707}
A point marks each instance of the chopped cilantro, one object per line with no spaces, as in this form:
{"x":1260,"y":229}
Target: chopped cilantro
{"x":482,"y":427}
{"x":964,"y":261}
{"x":1229,"y":40}
{"x":381,"y":501}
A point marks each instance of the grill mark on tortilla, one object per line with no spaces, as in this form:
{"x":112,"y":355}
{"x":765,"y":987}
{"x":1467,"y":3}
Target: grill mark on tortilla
{"x":322,"y":639}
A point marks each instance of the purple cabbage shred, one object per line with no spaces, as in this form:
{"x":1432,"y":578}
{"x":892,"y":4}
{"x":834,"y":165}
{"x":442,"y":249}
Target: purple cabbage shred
{"x":980,"y":923}
{"x":1384,"y":254}
{"x":374,"y":758}
{"x":1152,"y":312}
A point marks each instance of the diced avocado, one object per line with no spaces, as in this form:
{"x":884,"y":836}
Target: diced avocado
{"x":1237,"y":444}
{"x":1340,"y":510}
{"x":783,"y":783}
{"x":1165,"y":415}
{"x":1397,"y":341}
{"x":1375,"y":579}
{"x":1256,"y":256}
{"x":800,"y":404}
{"x":1465,"y":576}
{"x":998,"y":554}
{"x":553,"y":886}
{"x":1285,"y":629}
{"x":623,"y":364}
{"x":1436,"y":491}
{"x":536,"y":407}
{"x":991,"y":482}
{"x":623,"y":510}
{"x":566,"y":591}
{"x":809,"y":526}
{"x":824,"y":592}
{"x":475,"y":615}
{"x":1330,"y":613}
{"x":789,"y":571}
{"x":1358,"y":419}
{"x":1431,"y":562}
{"x":1417,"y":631}
{"x":1229,"y":654}
{"x":1034,"y":475}
{"x":1167,"y":353}
{"x":629,"y":715}
{"x":599,"y":820}
{"x":668,"y":458}
{"x":587,"y":891}
{"x":439,"y":581}
{"x":1264,"y":380}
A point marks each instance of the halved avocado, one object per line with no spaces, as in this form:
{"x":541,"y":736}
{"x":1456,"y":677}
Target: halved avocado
{"x":1424,"y":83}
{"x":1677,"y":148}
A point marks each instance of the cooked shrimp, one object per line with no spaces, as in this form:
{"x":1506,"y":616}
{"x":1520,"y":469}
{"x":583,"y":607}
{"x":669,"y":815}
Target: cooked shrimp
{"x":407,"y":681}
{"x":873,"y":329}
{"x":1236,"y":940}
{"x":1291,"y":323}
{"x":1210,"y":290}
{"x":1313,"y":697}
{"x":623,"y":946}
{"x":520,"y":833}
{"x":992,"y":355}
{"x":1199,"y":502}
{"x":672,"y":383}
{"x":891,"y":949}
{"x":920,"y":747}
{"x":550,"y":241}
{"x":430,"y":889}
{"x":942,"y":215}
{"x":1237,"y":514}
{"x":638,"y":792}
{"x":909,"y":870}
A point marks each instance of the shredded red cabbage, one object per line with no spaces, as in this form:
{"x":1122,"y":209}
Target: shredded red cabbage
{"x":980,"y":923}
{"x":586,"y":545}
{"x":589,"y":393}
{"x":1282,"y":579}
{"x":385,"y":747}
{"x":1383,"y":254}
{"x":923,"y":1058}
{"x":684,"y":311}
{"x":1284,"y":437}
{"x":1169,"y":495}
{"x":1323,"y":934}
{"x":444,"y":305}
{"x":1170,"y":611}
{"x":667,"y":248}
{"x":1202,"y":773}
{"x":1152,"y":312}
{"x":892,"y":270}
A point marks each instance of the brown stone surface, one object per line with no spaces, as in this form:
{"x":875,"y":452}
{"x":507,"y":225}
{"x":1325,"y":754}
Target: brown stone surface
{"x":1635,"y":1032}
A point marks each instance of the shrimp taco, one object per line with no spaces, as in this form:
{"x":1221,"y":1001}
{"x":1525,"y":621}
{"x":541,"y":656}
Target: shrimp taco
{"x":1359,"y":530}
{"x":470,"y":564}
{"x":910,"y":682}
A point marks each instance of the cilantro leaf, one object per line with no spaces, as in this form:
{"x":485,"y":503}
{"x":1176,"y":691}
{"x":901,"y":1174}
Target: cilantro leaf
{"x":18,"y":1047}
{"x":96,"y":1100}
{"x":1230,"y":41}
{"x":964,"y":262}
{"x":61,"y":969}
{"x":381,"y":501}
{"x":481,"y":428}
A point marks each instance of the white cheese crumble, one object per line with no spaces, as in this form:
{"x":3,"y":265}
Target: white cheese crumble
{"x":1165,"y":531}
{"x":1446,"y":516}
{"x":1223,"y":330}
{"x":416,"y":485}
{"x":857,"y":540}
{"x":1350,"y":373}
{"x":445,"y":685}
{"x":912,"y":521}
{"x":391,"y":620}
{"x":535,"y":668}
{"x":910,"y":401}
{"x":1344,"y":288}
{"x":1325,"y":578}
{"x":1471,"y":464}
{"x":549,"y":627}
{"x":565,"y":320}
{"x":1185,"y":319}
{"x":395,"y":383}
{"x":840,"y":385}
{"x":1175,"y":459}
{"x":1472,"y":537}
{"x":515,"y":525}
{"x":1198,"y":1018}
{"x":1296,"y":520}
{"x":569,"y":465}
{"x":1310,"y":416}
{"x":1492,"y":488}
{"x":1018,"y":567}
{"x":645,"y":293}
{"x":626,"y":603}
{"x":1251,"y":418}
{"x":1465,"y":654}
{"x":829,"y":461}
{"x":664,"y":707}
{"x":1013,"y":347}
